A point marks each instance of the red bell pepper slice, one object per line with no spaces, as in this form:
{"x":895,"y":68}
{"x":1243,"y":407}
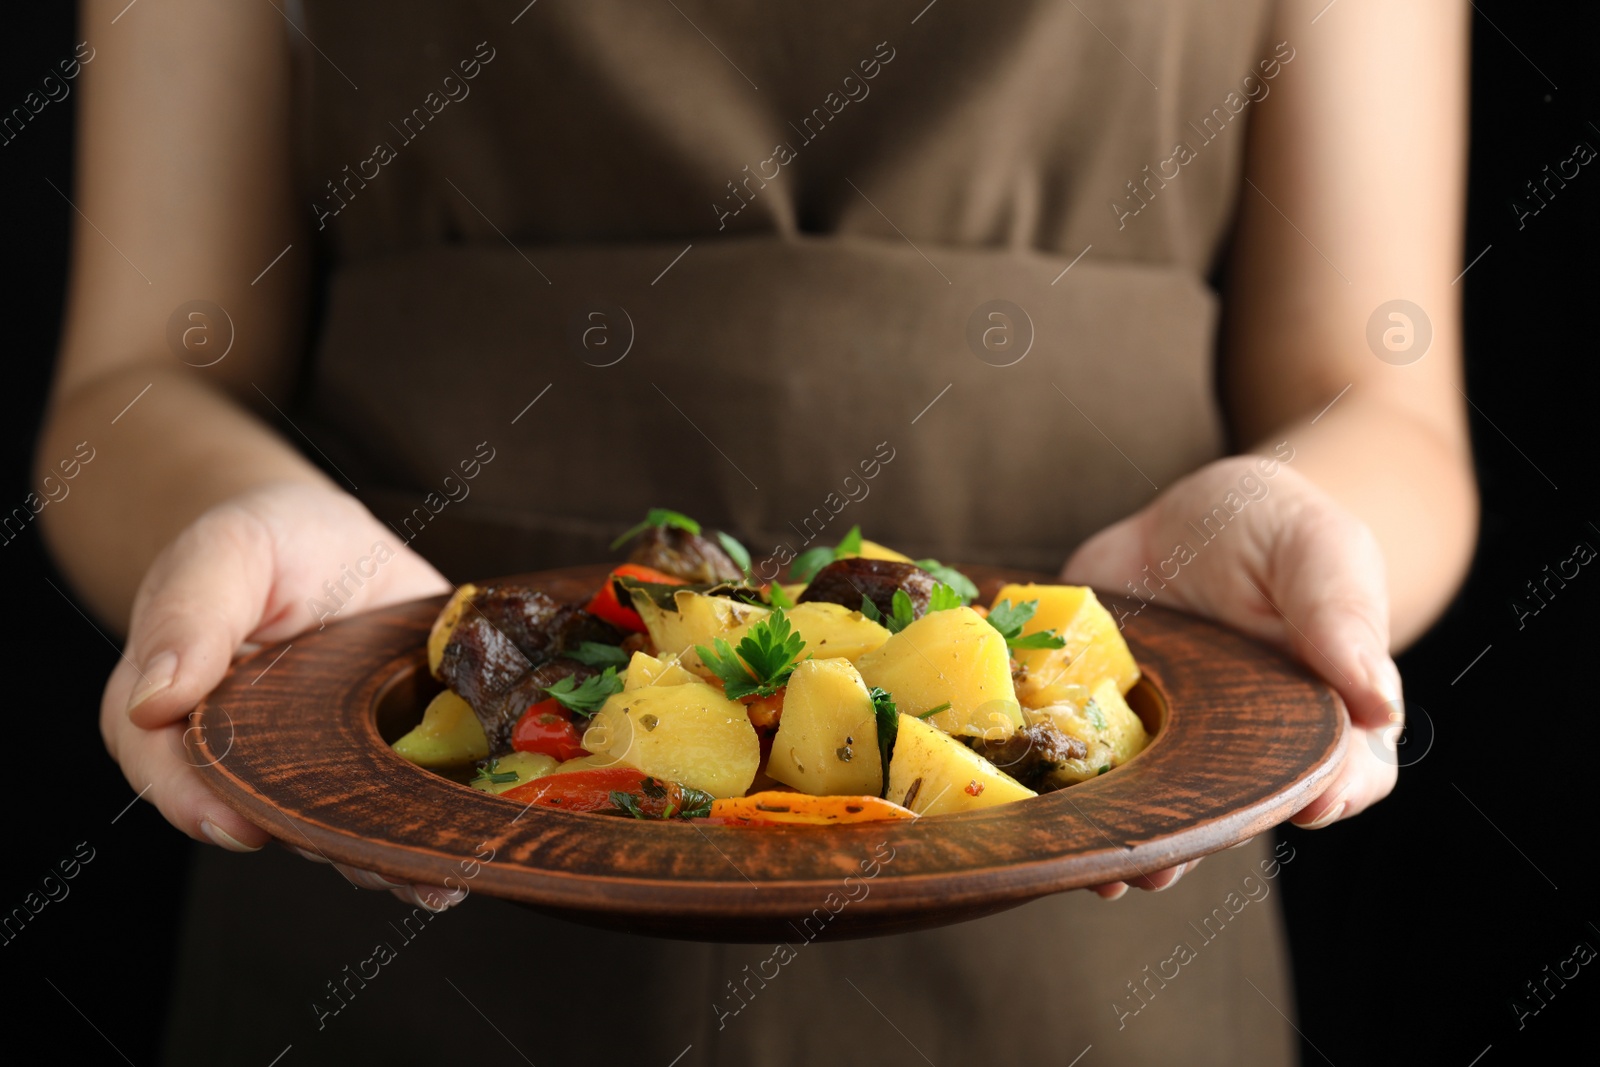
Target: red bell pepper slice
{"x":547,"y":727}
{"x":606,"y":605}
{"x":582,"y":790}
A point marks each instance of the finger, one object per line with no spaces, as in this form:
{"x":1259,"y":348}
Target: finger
{"x":153,"y":761}
{"x":200,"y":600}
{"x":1111,"y":890}
{"x":1329,"y":573}
{"x":1366,"y":776}
{"x":1156,"y":881}
{"x":435,"y":898}
{"x":1109,"y":558}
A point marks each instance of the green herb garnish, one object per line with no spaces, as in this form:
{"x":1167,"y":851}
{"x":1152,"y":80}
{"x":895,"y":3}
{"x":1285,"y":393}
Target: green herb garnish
{"x":595,"y":654}
{"x":944,"y":598}
{"x":777,"y":597}
{"x":658,"y":517}
{"x":953,"y":578}
{"x":812,"y":560}
{"x":902,"y":613}
{"x":491,"y":774}
{"x":1102,"y":770}
{"x":586,"y":699}
{"x":1091,"y":711}
{"x":1010,"y":618}
{"x":696,"y":803}
{"x":931,"y":712}
{"x":736,"y":552}
{"x":762,"y":663}
{"x":888,"y":718}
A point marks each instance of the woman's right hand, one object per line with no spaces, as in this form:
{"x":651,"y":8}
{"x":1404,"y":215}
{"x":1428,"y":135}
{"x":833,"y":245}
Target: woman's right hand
{"x":242,"y":574}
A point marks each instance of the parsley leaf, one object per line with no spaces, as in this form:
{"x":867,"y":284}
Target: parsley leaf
{"x":587,"y":698}
{"x":888,"y":718}
{"x":491,"y":773}
{"x":595,"y":654}
{"x":1091,"y":711}
{"x":931,"y":712}
{"x":777,"y":597}
{"x":1010,"y":618}
{"x":658,"y":517}
{"x":944,"y":598}
{"x":682,"y":801}
{"x":736,"y":552}
{"x":812,"y":560}
{"x":900,"y":604}
{"x":763,"y":661}
{"x":953,"y":578}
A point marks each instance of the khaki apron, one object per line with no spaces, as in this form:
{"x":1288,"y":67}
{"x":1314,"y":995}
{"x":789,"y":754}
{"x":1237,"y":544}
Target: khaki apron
{"x":934,"y":269}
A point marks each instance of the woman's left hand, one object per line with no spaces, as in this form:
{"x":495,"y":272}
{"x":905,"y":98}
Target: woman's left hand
{"x":1290,"y":567}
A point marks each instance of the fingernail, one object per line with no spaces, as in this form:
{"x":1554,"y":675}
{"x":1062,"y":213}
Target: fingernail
{"x":1179,"y":874}
{"x":1329,"y":816}
{"x":156,"y":676}
{"x":221,"y":838}
{"x":1122,"y":891}
{"x":1384,"y":676}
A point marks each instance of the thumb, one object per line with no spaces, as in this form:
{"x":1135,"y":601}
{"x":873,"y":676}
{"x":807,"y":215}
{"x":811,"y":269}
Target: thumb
{"x":1326,"y":572}
{"x":201,"y":599}
{"x":1111,"y":557}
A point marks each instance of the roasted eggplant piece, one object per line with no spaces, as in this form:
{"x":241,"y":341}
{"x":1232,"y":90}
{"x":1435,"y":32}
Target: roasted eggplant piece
{"x":1030,"y":753}
{"x":849,"y":581}
{"x":690,"y":556}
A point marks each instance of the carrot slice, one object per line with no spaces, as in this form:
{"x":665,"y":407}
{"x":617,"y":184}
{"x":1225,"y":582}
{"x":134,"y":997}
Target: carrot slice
{"x":775,"y":807}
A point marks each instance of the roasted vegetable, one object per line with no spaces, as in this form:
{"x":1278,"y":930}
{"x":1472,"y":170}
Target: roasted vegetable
{"x":932,"y":773}
{"x":853,"y":579}
{"x":439,"y":635}
{"x":836,"y":631}
{"x":1110,"y":731}
{"x":952,"y":657}
{"x":1094,"y":647}
{"x":780,"y":808}
{"x":614,"y":605}
{"x":548,"y":728}
{"x":585,"y":790}
{"x":683,"y":733}
{"x":449,"y":735}
{"x":827,"y":740}
{"x":645,"y":669}
{"x":695,"y":619}
{"x":507,"y":772}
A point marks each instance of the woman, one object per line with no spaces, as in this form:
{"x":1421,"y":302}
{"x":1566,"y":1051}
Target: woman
{"x":975,"y":243}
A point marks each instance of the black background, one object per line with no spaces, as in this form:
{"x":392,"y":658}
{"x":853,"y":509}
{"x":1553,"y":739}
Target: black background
{"x":1413,"y":928}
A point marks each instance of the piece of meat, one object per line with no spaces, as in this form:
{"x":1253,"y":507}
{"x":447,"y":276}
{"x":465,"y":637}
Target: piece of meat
{"x":695,"y":558}
{"x":571,"y":626}
{"x":480,"y":660}
{"x":1030,"y":753}
{"x":848,"y":581}
{"x":500,"y":713}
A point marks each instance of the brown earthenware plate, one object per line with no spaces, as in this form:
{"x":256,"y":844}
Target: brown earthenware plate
{"x":296,"y":739}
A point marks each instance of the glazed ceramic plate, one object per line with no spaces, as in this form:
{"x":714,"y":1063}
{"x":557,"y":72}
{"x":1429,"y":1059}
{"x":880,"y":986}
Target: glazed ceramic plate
{"x":297,"y":740}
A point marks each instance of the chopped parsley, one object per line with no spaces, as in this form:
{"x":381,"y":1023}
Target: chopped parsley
{"x":888,"y":718}
{"x":587,"y":698}
{"x":491,"y":773}
{"x":1091,"y":711}
{"x":777,"y":597}
{"x":953,"y":578}
{"x":1009,"y":619}
{"x":931,"y":712}
{"x":595,"y":654}
{"x":682,"y":801}
{"x":658,"y":517}
{"x":762,"y":663}
{"x":812,"y":560}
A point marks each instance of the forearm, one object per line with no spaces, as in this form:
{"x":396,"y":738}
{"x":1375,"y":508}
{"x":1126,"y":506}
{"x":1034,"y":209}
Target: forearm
{"x":180,"y":449}
{"x":1410,"y":484}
